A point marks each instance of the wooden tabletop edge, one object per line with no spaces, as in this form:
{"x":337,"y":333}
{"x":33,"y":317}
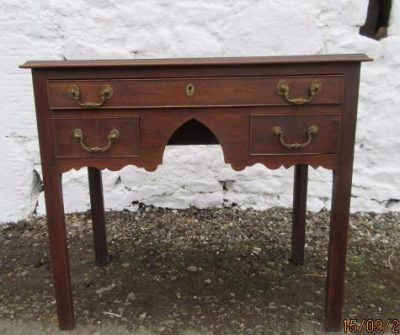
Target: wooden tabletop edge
{"x":258,"y":60}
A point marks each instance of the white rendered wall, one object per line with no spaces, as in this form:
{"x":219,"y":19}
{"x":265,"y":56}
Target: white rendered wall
{"x":195,"y":176}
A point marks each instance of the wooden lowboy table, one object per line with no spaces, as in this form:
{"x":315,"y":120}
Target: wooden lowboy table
{"x":290,"y":111}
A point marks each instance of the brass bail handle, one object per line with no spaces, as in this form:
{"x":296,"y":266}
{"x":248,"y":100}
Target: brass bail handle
{"x":106,"y":94}
{"x":112,"y":137}
{"x":283,"y":89}
{"x":311,"y":131}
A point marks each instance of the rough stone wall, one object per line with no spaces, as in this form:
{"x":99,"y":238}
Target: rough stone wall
{"x":195,"y":176}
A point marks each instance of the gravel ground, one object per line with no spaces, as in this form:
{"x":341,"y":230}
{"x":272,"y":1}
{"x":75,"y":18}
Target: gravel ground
{"x":209,"y":271}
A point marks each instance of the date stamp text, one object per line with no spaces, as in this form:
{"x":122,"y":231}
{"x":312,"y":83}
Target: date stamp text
{"x":375,"y":326}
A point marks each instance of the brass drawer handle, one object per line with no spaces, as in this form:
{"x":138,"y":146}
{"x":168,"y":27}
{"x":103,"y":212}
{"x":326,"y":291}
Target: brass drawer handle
{"x":75,"y":93}
{"x":112,"y":137}
{"x":311,"y":131}
{"x":283,"y":89}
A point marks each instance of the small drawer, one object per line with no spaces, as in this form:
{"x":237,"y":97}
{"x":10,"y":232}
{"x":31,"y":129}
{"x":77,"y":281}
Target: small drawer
{"x":300,"y":134}
{"x":221,"y":91}
{"x":96,"y":137}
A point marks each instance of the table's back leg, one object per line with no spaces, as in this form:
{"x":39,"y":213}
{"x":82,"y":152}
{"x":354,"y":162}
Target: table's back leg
{"x":58,"y":247}
{"x":337,"y":249}
{"x":299,"y":213}
{"x":98,"y":220}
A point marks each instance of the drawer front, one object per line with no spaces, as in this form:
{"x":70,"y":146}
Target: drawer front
{"x":223,"y":91}
{"x":100,"y":137}
{"x":300,"y":134}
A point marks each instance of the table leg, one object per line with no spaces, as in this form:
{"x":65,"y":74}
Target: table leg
{"x":337,"y":249}
{"x":58,"y":247}
{"x":98,"y":221}
{"x":299,"y":213}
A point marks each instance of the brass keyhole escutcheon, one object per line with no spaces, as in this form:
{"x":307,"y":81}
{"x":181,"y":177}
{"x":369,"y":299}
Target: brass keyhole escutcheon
{"x":189,"y":90}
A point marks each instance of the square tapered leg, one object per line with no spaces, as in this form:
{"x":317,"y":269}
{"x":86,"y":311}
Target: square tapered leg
{"x":58,"y":248}
{"x":337,"y":250}
{"x":98,"y":220}
{"x":299,"y":213}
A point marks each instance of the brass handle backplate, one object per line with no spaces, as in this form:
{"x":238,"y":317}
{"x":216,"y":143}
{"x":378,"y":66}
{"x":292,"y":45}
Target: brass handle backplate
{"x":112,"y":137}
{"x":282,"y":88}
{"x":75,"y":93}
{"x":311,"y":131}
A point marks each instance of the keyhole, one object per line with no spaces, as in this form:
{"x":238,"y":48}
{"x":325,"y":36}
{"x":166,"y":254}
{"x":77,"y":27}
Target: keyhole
{"x":189,"y":90}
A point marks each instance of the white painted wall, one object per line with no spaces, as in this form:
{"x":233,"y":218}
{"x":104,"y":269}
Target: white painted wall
{"x":193,"y":176}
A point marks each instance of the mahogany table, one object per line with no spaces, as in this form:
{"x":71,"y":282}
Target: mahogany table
{"x":277,"y":111}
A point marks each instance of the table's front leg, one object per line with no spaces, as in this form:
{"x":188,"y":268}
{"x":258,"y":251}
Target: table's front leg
{"x":299,"y":213}
{"x":339,"y":222}
{"x":58,"y":247}
{"x":98,"y":220}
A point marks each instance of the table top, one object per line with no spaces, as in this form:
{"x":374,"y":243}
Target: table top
{"x":37,"y":64}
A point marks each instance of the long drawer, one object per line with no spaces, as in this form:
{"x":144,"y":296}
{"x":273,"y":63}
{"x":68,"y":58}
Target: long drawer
{"x":219,"y":91}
